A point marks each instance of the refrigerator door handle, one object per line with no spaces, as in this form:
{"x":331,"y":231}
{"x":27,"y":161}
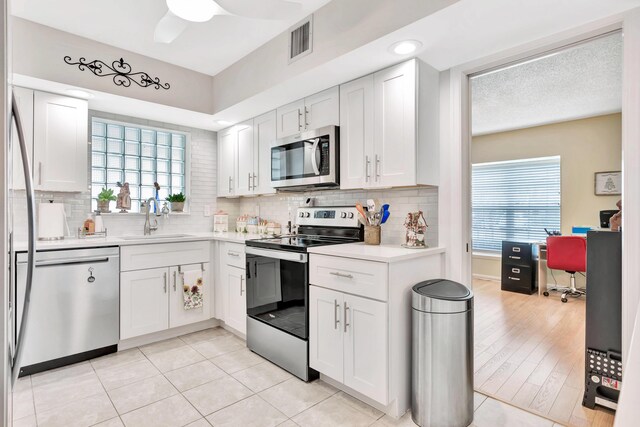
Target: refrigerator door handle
{"x":31,"y":244}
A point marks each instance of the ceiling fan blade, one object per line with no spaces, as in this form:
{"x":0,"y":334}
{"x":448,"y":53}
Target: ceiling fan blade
{"x":169,"y":28}
{"x":261,"y":9}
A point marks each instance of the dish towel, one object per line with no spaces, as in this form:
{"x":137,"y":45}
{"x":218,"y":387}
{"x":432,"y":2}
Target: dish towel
{"x":192,"y":291}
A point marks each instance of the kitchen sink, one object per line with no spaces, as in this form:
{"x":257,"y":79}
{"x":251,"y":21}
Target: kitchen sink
{"x":155,"y":236}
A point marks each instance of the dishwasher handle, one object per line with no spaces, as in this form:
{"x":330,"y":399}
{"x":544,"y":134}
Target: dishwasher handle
{"x":70,"y":261}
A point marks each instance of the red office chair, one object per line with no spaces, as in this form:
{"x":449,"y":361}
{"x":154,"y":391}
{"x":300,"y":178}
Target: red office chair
{"x":568,"y":253}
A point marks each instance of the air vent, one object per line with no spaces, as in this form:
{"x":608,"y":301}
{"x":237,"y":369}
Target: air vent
{"x":301,"y":39}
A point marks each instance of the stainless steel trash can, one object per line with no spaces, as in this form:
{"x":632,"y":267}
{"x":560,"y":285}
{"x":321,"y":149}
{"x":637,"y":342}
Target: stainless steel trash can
{"x":442,"y":363}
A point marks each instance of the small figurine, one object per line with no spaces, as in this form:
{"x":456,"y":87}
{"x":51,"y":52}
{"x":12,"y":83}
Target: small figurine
{"x":124,"y":198}
{"x":416,"y":227}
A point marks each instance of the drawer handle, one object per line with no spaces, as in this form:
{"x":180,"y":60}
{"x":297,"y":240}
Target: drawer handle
{"x":514,"y":278}
{"x":515,"y":249}
{"x":515,"y":270}
{"x":336,"y":273}
{"x":165,"y":282}
{"x":514,"y":257}
{"x":233,"y":254}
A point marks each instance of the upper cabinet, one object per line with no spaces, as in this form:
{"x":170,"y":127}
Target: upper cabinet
{"x":60,"y":128}
{"x":55,"y":129}
{"x":244,"y":157}
{"x":389,"y":128}
{"x":312,"y":112}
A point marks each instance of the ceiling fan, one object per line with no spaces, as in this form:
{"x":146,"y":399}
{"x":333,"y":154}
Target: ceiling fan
{"x":182,"y":12}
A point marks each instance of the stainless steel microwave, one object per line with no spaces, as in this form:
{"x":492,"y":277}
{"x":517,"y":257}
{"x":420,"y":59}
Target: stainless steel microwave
{"x":307,"y":160}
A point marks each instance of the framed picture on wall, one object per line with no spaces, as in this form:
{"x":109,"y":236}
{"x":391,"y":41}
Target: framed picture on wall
{"x":608,"y":183}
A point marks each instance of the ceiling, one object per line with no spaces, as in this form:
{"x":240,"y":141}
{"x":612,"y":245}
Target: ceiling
{"x":582,"y":81}
{"x":207,"y":47}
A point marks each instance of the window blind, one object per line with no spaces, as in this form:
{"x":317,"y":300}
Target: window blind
{"x":514,"y":200}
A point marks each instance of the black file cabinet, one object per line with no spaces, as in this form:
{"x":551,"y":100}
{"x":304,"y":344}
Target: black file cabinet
{"x":519,"y":266}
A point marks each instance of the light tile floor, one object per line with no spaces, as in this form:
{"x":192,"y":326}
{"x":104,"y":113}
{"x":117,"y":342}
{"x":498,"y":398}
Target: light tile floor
{"x":207,"y":378}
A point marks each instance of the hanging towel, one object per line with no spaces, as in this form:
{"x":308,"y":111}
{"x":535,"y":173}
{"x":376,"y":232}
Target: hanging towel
{"x":192,"y":289}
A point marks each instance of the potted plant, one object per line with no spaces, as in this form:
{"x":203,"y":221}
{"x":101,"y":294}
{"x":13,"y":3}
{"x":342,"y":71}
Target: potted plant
{"x":177,"y":201}
{"x":105,"y":196}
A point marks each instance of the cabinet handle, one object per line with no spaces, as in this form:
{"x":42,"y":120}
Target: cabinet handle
{"x":514,"y":278}
{"x":175,"y":280}
{"x":229,"y":185}
{"x":165,"y":282}
{"x":249,"y":182}
{"x":254,"y":181}
{"x":336,"y":273}
{"x":345,"y":316}
{"x":336,"y":307}
{"x":233,"y":254}
{"x":299,"y":121}
{"x":367,"y":168}
{"x":306,"y":113}
{"x":241,"y":281}
{"x":39,"y":173}
{"x":514,"y":257}
{"x":377,"y":167}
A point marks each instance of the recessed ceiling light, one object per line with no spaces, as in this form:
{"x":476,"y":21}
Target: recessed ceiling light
{"x":193,"y":10}
{"x":405,"y":47}
{"x":79,"y":93}
{"x":223,"y":122}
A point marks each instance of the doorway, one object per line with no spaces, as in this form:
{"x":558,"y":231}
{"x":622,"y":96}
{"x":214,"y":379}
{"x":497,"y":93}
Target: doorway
{"x":542,"y":128}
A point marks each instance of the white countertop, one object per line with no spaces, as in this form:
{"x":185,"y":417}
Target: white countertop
{"x":380,"y":253}
{"x":95,"y":242}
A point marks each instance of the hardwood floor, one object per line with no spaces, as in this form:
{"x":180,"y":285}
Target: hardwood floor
{"x":529,"y":352}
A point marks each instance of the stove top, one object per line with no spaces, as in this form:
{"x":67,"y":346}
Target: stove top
{"x":298,"y":243}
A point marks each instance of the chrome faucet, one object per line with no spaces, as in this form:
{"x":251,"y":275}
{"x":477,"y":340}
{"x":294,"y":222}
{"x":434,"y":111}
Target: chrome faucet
{"x":148,"y":228}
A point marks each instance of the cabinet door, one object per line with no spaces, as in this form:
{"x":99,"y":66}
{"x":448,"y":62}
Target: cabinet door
{"x":290,"y":120}
{"x":60,"y":143}
{"x":183,"y":276}
{"x":264,"y":133}
{"x":326,"y":332}
{"x":322,"y":109}
{"x":365,"y":347}
{"x":236,"y":299}
{"x":226,"y":161}
{"x":24,"y":99}
{"x":244,"y":161}
{"x":395,"y":125}
{"x":144,"y":306}
{"x":356,"y":133}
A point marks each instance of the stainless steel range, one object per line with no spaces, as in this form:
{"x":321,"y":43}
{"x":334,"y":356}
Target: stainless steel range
{"x":278,"y":285}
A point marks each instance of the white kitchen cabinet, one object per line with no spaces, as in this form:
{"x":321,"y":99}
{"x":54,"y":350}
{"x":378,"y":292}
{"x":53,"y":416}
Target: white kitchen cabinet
{"x":264,"y":133}
{"x":236,"y":299}
{"x":365,"y":347}
{"x":60,"y":143}
{"x":244,"y":159}
{"x":178,"y":316}
{"x":356,"y":133}
{"x":347,"y":340}
{"x":24,"y":101}
{"x":227,"y":146}
{"x":389,"y":128}
{"x":326,"y":337}
{"x":151,"y":286}
{"x":143,"y":302}
{"x":313,"y":112}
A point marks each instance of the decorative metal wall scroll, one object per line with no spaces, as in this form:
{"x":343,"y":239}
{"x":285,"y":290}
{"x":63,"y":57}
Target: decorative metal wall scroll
{"x":120,"y":71}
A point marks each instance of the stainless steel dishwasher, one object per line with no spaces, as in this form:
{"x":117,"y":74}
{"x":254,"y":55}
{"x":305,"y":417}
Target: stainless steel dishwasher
{"x":74,"y":309}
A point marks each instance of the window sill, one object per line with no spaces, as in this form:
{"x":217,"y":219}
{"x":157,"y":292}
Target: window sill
{"x":487,"y":255}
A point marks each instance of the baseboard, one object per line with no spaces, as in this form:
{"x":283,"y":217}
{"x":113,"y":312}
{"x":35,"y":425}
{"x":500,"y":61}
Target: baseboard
{"x":487,"y":277}
{"x":167,"y":334}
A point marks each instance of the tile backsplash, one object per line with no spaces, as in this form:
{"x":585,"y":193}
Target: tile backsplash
{"x":202,"y":192}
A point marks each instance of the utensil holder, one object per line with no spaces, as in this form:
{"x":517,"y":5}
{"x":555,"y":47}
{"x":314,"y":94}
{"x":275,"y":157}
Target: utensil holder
{"x":372,"y":234}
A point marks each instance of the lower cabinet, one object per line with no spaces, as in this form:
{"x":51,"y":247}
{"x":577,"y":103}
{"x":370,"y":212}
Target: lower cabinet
{"x":236,"y":298}
{"x":153,"y":300}
{"x":348,"y":340}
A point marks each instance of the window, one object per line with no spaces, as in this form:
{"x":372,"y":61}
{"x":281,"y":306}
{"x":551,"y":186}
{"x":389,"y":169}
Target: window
{"x":139,"y":156}
{"x":514,"y":200}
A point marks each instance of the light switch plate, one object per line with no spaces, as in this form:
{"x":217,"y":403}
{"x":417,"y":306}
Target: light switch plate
{"x":207,"y":210}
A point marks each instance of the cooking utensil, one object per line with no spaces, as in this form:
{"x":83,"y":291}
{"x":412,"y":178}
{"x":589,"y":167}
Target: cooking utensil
{"x":362,"y":212}
{"x":385,"y":216}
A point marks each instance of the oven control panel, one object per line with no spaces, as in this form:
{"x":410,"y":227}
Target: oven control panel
{"x":328,"y":216}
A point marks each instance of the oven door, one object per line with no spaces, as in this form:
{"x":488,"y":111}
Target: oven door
{"x":277,"y":289}
{"x":308,"y":159}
